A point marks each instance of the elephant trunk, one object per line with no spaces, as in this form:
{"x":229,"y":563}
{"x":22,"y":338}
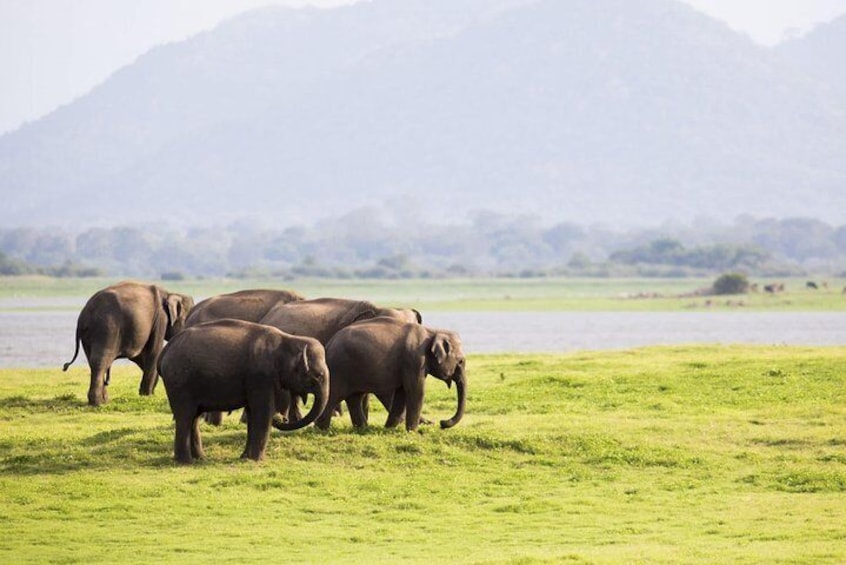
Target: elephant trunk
{"x":460,"y":380}
{"x":321,"y":397}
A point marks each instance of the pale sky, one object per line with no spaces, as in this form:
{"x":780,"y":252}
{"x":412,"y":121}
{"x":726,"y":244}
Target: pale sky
{"x":52,"y":51}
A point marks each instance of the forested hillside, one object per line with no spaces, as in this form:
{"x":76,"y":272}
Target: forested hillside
{"x":361,"y":244}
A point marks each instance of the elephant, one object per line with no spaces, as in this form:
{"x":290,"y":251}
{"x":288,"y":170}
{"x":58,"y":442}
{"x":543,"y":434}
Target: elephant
{"x":249,"y":305}
{"x":230,"y":364}
{"x":321,"y":318}
{"x":128,"y":320}
{"x":391,"y":357}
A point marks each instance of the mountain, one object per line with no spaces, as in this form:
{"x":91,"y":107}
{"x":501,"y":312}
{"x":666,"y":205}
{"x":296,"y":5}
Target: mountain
{"x":620,"y":111}
{"x":820,"y":53}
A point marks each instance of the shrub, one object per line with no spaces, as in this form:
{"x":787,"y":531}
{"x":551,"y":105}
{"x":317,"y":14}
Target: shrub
{"x":731,"y":283}
{"x":172,"y":276}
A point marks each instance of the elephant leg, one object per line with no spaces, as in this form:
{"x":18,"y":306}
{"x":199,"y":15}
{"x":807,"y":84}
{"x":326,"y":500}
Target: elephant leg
{"x":355,"y":403}
{"x":197,"y":451}
{"x":365,"y":407}
{"x":182,"y":439}
{"x":413,"y":409}
{"x":294,"y":413}
{"x":283,"y":400}
{"x":325,"y":419}
{"x":386,"y":399}
{"x":97,"y":389}
{"x":106,"y":381}
{"x":396,"y":412}
{"x":259,"y":415}
{"x":149,"y":375}
{"x":387,"y":403}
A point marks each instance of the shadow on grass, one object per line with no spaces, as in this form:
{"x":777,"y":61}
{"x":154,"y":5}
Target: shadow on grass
{"x":129,"y":447}
{"x":72,"y":402}
{"x":124,"y":447}
{"x":63,"y":402}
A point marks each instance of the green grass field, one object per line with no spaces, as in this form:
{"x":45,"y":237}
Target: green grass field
{"x":702,"y":454}
{"x":571,"y":294}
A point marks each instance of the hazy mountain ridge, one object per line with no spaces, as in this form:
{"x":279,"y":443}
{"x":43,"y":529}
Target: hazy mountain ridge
{"x":618,"y":111}
{"x":820,"y":53}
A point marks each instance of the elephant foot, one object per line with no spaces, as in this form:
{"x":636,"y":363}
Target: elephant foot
{"x":247,"y":455}
{"x":198,"y":454}
{"x":322,"y":426}
{"x":98,"y":400}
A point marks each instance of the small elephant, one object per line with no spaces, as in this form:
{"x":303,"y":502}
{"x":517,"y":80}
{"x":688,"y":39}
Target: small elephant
{"x":248,"y":305}
{"x":128,"y":320}
{"x":230,"y":364}
{"x":391,"y":358}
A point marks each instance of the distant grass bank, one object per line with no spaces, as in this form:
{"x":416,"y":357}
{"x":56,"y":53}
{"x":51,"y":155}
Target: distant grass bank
{"x":571,"y":294}
{"x":702,"y":454}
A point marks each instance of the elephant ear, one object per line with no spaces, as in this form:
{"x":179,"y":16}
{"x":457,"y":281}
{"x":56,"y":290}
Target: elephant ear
{"x":440,"y":348}
{"x":172,"y":305}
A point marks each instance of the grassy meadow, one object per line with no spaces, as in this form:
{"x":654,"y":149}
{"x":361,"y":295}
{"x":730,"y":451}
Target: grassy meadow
{"x":698,"y":454}
{"x":541,"y":294}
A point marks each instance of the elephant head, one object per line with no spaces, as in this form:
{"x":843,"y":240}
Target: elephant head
{"x":177,"y":307}
{"x":445,"y":361}
{"x":305,"y":372}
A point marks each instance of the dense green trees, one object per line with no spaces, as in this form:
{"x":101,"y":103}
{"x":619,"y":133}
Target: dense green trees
{"x":719,"y":256}
{"x":363,"y":244}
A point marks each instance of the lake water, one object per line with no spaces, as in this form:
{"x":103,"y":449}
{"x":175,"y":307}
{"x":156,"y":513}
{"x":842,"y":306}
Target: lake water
{"x":574,"y":331}
{"x":41,"y":333}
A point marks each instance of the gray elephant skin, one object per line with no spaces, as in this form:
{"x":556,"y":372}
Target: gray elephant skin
{"x":322,"y":318}
{"x":230,"y":364}
{"x":128,"y":320}
{"x":390,"y":357}
{"x":249,"y":305}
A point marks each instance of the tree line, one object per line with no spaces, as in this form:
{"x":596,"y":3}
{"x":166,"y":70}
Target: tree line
{"x":363,"y":244}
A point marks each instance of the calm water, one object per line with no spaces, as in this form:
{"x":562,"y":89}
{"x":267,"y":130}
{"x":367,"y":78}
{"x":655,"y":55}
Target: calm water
{"x":45,"y":338}
{"x":572,"y":331}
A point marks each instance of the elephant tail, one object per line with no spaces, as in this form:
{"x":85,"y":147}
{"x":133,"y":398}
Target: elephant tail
{"x":75,"y":353}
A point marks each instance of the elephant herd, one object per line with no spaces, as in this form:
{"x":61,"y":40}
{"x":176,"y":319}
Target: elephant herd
{"x":264,"y":351}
